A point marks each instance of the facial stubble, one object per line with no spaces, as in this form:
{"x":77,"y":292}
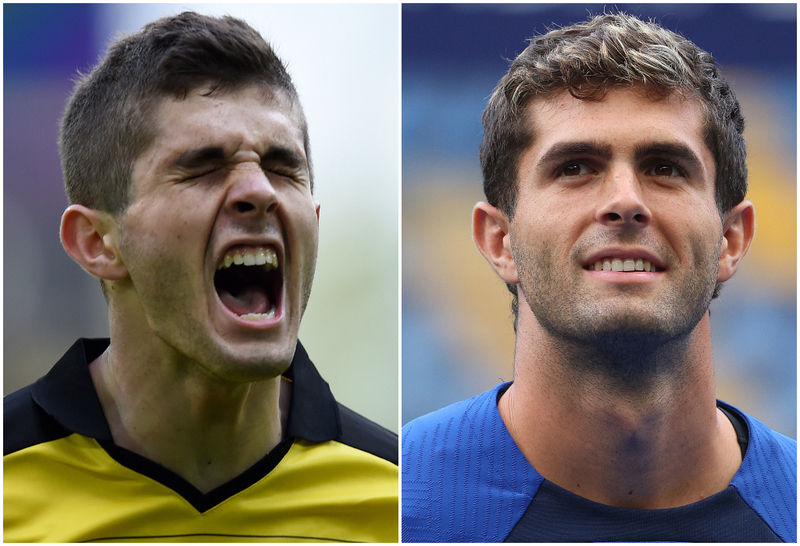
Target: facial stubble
{"x":621,"y":338}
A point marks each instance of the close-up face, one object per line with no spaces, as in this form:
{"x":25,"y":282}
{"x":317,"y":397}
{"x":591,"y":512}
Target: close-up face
{"x":616,"y":229}
{"x":220,"y":238}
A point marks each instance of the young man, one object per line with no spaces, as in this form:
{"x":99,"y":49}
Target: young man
{"x":614,"y":170}
{"x":186,"y":161}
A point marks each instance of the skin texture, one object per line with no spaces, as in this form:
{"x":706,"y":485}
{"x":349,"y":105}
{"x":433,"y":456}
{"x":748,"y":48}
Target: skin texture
{"x":184,"y":378}
{"x":613,"y":393}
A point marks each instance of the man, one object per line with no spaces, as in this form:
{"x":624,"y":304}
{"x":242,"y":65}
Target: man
{"x":186,"y":160}
{"x":615,"y":178}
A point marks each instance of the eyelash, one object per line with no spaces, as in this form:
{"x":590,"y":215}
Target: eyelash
{"x":276,"y":171}
{"x":202,"y":173}
{"x":561,"y":170}
{"x":652,"y":165}
{"x":680,"y":172}
{"x":279,"y":172}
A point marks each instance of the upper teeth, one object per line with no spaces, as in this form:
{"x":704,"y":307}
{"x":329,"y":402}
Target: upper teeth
{"x":260,"y":256}
{"x":618,"y":264}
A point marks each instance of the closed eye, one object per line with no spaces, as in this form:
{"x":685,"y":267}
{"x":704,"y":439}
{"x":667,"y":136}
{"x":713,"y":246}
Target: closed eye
{"x":286,"y":173}
{"x":202,"y":173}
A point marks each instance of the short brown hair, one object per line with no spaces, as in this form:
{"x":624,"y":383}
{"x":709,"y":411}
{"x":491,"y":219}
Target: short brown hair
{"x":588,"y":59}
{"x":109,"y":120}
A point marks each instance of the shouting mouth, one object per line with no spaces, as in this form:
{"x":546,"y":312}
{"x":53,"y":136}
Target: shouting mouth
{"x":249,"y":282}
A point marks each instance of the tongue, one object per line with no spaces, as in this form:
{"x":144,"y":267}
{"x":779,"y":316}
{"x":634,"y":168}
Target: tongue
{"x":251,"y":299}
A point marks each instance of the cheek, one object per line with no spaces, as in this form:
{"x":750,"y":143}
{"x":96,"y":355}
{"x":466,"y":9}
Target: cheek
{"x":158,"y":244}
{"x":698,"y":232}
{"x":705,"y":247}
{"x":551,"y":222}
{"x":301,"y":217}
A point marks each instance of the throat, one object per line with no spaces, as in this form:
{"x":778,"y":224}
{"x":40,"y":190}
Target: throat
{"x":251,"y":292}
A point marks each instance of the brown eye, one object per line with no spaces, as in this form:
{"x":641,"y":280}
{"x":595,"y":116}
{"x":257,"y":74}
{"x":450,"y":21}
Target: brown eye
{"x":575,"y":169}
{"x":664,"y":169}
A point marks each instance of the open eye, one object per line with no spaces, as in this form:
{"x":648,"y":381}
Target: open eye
{"x":574,"y":169}
{"x":664,"y":169}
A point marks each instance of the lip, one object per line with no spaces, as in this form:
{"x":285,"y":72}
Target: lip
{"x":246,"y":324}
{"x":625,"y":254}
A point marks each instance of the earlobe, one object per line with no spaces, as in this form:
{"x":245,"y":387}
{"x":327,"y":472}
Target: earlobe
{"x":490,"y":231}
{"x":738,"y":230}
{"x":89,"y":238}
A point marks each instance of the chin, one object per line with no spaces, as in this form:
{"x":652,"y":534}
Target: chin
{"x":627,"y":329}
{"x":247,"y":363}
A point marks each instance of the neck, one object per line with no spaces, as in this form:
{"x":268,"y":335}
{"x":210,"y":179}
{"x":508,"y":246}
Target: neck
{"x":161,"y":406}
{"x":651,"y":439}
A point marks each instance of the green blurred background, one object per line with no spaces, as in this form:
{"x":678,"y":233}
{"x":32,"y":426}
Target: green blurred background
{"x":344,"y":60}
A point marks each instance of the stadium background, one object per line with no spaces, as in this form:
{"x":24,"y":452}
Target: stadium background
{"x":457,"y":337}
{"x":344,"y":60}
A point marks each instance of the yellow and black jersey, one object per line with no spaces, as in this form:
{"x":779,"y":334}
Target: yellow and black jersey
{"x":334,"y":478}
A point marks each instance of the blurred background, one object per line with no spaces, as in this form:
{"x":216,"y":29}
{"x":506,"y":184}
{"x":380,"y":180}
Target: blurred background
{"x":457,"y":334}
{"x":344,"y":60}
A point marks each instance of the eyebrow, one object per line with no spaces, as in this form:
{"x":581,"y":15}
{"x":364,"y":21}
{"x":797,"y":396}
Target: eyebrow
{"x":564,"y":151}
{"x":288,"y":157}
{"x":216,"y":155}
{"x":669,"y":149}
{"x":199,"y":157}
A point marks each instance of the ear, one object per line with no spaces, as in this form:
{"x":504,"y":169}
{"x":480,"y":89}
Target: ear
{"x":490,"y":232}
{"x":89,"y":237}
{"x":316,"y":207}
{"x":738,"y":228}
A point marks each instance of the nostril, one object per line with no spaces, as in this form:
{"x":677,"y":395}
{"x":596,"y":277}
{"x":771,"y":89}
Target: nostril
{"x":244,"y":207}
{"x":613,"y":216}
{"x":641,"y":218}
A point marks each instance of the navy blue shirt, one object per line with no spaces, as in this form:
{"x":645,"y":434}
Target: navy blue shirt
{"x":465,"y":480}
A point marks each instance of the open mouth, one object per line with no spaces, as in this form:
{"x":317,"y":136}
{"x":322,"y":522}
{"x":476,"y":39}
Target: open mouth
{"x":249,"y":282}
{"x":623,"y":265}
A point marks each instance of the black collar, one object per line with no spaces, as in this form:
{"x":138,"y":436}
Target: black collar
{"x":67,"y":393}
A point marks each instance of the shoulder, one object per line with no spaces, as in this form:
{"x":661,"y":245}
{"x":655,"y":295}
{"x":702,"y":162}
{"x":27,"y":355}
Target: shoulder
{"x":468,"y":417}
{"x":464,"y":479}
{"x":361,"y":433}
{"x":26,"y":424}
{"x":767,"y":478}
{"x":59,"y":403}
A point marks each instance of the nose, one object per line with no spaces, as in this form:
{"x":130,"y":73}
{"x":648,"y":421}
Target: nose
{"x":252,"y":194}
{"x":622,"y":204}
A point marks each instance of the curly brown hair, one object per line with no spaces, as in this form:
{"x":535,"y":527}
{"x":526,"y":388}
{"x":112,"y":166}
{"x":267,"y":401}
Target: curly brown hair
{"x":589,"y":59}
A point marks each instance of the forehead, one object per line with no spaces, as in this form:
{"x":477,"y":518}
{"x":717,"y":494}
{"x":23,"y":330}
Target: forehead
{"x":250,"y":118}
{"x":624,"y":117}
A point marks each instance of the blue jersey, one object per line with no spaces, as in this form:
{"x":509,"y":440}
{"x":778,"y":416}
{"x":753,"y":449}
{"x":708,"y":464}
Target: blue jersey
{"x":465,"y":480}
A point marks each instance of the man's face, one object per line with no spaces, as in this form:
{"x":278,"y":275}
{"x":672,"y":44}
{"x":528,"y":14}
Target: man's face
{"x":220,"y":238}
{"x":616,"y":232}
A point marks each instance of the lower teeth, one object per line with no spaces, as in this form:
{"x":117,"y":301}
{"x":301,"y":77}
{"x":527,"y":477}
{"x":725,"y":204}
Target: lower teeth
{"x":259,"y":316}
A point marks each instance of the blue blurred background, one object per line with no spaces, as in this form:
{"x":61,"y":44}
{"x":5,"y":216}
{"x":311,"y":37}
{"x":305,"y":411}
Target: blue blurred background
{"x":456,"y":327}
{"x":344,"y":60}
{"x":457,"y":337}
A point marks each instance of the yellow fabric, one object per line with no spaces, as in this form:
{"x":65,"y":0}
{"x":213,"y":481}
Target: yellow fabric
{"x":71,"y":490}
